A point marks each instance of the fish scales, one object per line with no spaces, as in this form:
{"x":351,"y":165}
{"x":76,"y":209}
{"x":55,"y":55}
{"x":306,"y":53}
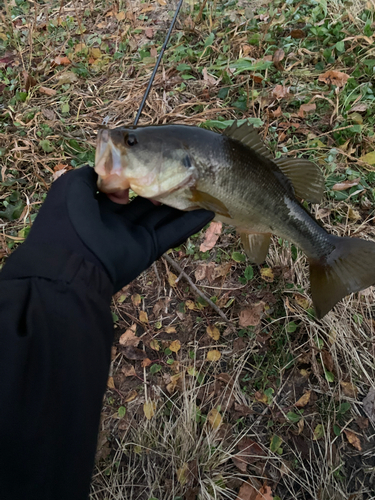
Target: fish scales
{"x":234,"y":175}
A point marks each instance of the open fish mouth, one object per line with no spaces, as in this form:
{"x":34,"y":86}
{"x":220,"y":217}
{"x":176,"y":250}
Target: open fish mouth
{"x":110,"y":164}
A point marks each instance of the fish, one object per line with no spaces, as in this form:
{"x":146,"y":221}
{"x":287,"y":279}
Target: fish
{"x":234,"y":174}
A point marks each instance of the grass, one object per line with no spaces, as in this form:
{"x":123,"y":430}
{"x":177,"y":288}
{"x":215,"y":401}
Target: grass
{"x":174,"y":427}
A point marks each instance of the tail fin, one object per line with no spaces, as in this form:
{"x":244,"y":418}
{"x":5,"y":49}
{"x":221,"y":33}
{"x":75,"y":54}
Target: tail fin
{"x":349,"y":268}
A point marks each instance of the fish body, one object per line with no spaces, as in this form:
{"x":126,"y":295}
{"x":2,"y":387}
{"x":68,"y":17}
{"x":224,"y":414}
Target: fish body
{"x":234,"y":175}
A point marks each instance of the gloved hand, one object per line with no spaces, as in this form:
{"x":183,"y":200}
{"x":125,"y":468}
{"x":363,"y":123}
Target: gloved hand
{"x":124,"y":239}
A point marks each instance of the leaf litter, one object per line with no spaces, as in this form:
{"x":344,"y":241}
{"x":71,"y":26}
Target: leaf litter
{"x":102,"y":72}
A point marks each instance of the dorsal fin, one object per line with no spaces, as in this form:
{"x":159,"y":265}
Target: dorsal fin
{"x":249,"y":136}
{"x":306,"y":177}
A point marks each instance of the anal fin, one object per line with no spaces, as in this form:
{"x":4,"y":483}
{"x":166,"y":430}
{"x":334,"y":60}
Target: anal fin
{"x":256,"y":245}
{"x":208,"y":202}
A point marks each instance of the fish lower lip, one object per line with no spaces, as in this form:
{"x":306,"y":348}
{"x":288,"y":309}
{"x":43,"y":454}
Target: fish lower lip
{"x":120,"y":197}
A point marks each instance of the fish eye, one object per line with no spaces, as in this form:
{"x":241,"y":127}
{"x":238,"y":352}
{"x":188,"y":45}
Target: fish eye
{"x":131,"y":140}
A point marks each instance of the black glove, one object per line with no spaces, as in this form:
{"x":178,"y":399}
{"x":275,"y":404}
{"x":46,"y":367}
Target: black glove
{"x":123,"y":239}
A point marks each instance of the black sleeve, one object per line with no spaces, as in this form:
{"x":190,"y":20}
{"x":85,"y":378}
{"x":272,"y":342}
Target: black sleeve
{"x":56,"y":332}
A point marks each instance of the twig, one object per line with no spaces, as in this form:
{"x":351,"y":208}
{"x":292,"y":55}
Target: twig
{"x":195,"y":288}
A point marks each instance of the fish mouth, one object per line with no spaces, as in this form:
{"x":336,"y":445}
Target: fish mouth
{"x":110,"y":164}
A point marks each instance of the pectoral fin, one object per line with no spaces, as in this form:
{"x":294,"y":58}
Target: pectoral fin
{"x":256,"y":246}
{"x":306,"y":177}
{"x":205,"y":200}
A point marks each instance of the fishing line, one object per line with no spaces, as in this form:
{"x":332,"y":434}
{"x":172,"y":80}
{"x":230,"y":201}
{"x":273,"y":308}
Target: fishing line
{"x":158,"y":62}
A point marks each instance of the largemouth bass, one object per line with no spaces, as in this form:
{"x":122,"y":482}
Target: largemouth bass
{"x":236,"y":176}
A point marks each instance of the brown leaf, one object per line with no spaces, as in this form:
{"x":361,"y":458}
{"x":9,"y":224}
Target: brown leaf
{"x":303,"y":400}
{"x":353,"y":439}
{"x":362,"y":422}
{"x":276,"y":113}
{"x":172,"y":278}
{"x":129,"y":338}
{"x":200,"y":272}
{"x":67,"y":77}
{"x":249,"y":492}
{"x":243,"y":410}
{"x":131,"y":396}
{"x":267,"y":274}
{"x":297,"y":33}
{"x":153,"y":52}
{"x":251,"y":316}
{"x":175,"y":346}
{"x":29,"y":81}
{"x":143,"y":318}
{"x":154,"y":344}
{"x":261,"y":397}
{"x":327,"y":360}
{"x":333,"y":77}
{"x":302,"y":301}
{"x":213,"y":355}
{"x":149,"y":409}
{"x":128,"y":371}
{"x":249,"y":452}
{"x":149,"y":32}
{"x":211,"y":236}
{"x":146,"y":362}
{"x":62,"y":61}
{"x":136,"y":299}
{"x":110,"y":383}
{"x":47,"y":91}
{"x":214,"y":418}
{"x":209,"y":79}
{"x":213,"y":332}
{"x":342,"y":186}
{"x":170,"y":329}
{"x":280,"y":91}
{"x":305,"y":109}
{"x":349,"y":389}
{"x":120,"y":16}
{"x":131,"y":352}
{"x":277,"y":58}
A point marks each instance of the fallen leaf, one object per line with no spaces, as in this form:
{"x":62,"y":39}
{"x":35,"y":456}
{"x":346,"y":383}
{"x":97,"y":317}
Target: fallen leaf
{"x":62,"y":61}
{"x":247,"y":492}
{"x":214,"y":418}
{"x":120,"y":16}
{"x":146,"y":362}
{"x":349,"y":389}
{"x":110,"y":383}
{"x":200,"y":272}
{"x":342,"y":186}
{"x":211,"y":236}
{"x":277,"y":58}
{"x":143,"y":318}
{"x":47,"y":91}
{"x":81,"y":47}
{"x":261,"y":397}
{"x":303,"y":400}
{"x":267,"y":274}
{"x":58,"y":174}
{"x":96,"y":53}
{"x":29,"y":81}
{"x":353,"y":439}
{"x":252,"y":315}
{"x":175,"y":346}
{"x":129,"y":338}
{"x":131,"y":352}
{"x":318,"y":432}
{"x":369,"y":404}
{"x":213,"y":332}
{"x":172,"y":278}
{"x":153,"y":52}
{"x":265,"y":493}
{"x":170,"y":329}
{"x":249,"y":453}
{"x":211,"y":80}
{"x":275,"y":444}
{"x":172,"y":385}
{"x":190,"y":304}
{"x":149,"y":409}
{"x":149,"y":32}
{"x":162,"y":2}
{"x":136,"y":299}
{"x":327,"y":360}
{"x":154,"y":344}
{"x":131,"y":396}
{"x":297,"y":33}
{"x":128,"y":371}
{"x":305,"y":109}
{"x":214,"y":355}
{"x":362,"y":422}
{"x":302,"y":301}
{"x":280,"y":91}
{"x":353,"y":214}
{"x":101,"y":25}
{"x":67,"y":77}
{"x":369,"y":158}
{"x":333,"y":77}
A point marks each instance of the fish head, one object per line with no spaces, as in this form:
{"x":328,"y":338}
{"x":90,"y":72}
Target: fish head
{"x":146,"y":159}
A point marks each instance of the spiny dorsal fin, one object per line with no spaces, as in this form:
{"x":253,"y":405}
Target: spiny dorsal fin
{"x":306,"y":177}
{"x":256,"y":246}
{"x":249,"y":136}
